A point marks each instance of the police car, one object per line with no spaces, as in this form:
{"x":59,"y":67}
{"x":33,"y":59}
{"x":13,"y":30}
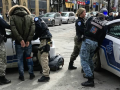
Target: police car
{"x":11,"y":54}
{"x":108,"y":57}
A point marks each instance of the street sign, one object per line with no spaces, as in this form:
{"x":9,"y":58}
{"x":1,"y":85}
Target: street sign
{"x":87,"y":1}
{"x":94,"y":6}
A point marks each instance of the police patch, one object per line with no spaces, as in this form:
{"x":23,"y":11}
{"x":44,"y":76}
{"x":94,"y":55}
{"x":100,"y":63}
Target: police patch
{"x":36,"y":19}
{"x":79,"y":23}
{"x":93,"y":30}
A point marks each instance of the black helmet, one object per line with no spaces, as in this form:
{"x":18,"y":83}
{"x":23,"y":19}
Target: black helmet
{"x":104,"y":11}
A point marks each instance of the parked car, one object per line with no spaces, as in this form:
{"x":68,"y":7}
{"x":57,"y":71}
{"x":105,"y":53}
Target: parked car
{"x":87,"y":15}
{"x":68,"y":17}
{"x":40,"y":16}
{"x":108,"y":56}
{"x":52,"y":18}
{"x":94,"y":13}
{"x":11,"y":53}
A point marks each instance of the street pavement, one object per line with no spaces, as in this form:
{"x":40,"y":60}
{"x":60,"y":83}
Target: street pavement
{"x":63,"y":79}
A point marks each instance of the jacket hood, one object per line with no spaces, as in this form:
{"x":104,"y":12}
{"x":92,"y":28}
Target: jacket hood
{"x":19,"y":10}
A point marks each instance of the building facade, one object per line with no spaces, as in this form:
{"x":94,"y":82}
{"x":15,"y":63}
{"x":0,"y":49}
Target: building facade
{"x":36,"y":7}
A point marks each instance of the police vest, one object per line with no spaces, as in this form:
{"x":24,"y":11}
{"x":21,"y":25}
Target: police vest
{"x":95,"y":28}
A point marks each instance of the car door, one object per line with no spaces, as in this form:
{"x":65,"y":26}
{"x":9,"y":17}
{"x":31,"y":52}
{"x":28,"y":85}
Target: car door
{"x":56,"y":19}
{"x":111,"y":48}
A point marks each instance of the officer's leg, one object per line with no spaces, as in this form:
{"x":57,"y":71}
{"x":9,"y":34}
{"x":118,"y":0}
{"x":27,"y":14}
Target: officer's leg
{"x":3,"y":63}
{"x":28,"y":51}
{"x":85,"y":55}
{"x":19,"y":53}
{"x":75,"y":53}
{"x":44,"y":63}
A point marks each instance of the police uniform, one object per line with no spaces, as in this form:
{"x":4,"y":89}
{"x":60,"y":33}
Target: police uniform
{"x":80,"y":28}
{"x":94,"y":35}
{"x":45,"y":36}
{"x":3,"y":60}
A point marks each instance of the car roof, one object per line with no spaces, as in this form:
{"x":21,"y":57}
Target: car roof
{"x":113,"y":21}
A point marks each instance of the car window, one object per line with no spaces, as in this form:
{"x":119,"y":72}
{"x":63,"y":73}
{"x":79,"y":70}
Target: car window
{"x":114,"y":30}
{"x":65,"y":14}
{"x":72,"y":14}
{"x":58,"y":15}
{"x":49,"y":15}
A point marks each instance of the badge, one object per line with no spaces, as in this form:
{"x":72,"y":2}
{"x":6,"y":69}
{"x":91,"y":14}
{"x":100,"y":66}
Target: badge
{"x":93,"y":30}
{"x":36,"y":19}
{"x":79,"y":23}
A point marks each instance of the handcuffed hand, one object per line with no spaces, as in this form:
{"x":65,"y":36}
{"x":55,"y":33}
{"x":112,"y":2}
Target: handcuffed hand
{"x":22,"y":43}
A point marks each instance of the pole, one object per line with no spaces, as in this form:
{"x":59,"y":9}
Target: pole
{"x":108,"y":6}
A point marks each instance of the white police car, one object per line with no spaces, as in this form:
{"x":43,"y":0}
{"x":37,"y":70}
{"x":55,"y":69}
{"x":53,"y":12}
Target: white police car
{"x":11,"y":54}
{"x":108,"y":56}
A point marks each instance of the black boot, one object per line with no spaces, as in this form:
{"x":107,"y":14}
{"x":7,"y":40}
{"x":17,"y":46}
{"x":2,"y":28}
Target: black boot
{"x":71,"y":67}
{"x":44,"y":79}
{"x":3,"y":80}
{"x":90,"y":82}
{"x":21,"y":78}
{"x":32,"y":76}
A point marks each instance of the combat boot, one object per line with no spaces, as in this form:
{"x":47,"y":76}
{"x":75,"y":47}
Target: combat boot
{"x":90,"y":82}
{"x":71,"y":67}
{"x":3,"y":80}
{"x":87,"y":77}
{"x":32,"y":76}
{"x":44,"y":79}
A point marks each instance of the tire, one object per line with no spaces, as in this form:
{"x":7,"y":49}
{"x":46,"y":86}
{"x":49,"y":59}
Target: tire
{"x":53,"y":23}
{"x":96,"y":61}
{"x":60,"y":22}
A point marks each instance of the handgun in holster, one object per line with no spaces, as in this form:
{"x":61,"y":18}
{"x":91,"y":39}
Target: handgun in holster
{"x":45,"y":48}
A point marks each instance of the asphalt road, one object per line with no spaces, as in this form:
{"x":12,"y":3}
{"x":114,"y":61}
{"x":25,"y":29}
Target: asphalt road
{"x":63,"y":79}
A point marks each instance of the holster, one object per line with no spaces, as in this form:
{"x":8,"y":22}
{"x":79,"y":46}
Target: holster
{"x":45,"y":48}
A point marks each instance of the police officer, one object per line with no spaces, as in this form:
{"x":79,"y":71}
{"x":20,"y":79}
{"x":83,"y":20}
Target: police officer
{"x":94,"y":35}
{"x":45,"y":36}
{"x":80,"y":27}
{"x":3,"y":60}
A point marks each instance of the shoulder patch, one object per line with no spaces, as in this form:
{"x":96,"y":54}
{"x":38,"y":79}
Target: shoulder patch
{"x":79,"y":23}
{"x":36,"y":19}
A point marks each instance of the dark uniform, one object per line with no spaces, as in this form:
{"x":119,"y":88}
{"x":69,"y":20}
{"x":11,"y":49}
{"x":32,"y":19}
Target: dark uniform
{"x":45,"y":36}
{"x":80,"y":28}
{"x":94,"y":35}
{"x":3,"y":61}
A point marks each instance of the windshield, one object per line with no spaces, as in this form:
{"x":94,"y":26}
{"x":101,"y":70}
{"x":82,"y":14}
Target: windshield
{"x":65,"y":14}
{"x":49,"y":15}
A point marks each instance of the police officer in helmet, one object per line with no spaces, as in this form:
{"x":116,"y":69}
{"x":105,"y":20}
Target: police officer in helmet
{"x":80,"y":28}
{"x":94,"y":35}
{"x":42,"y":31}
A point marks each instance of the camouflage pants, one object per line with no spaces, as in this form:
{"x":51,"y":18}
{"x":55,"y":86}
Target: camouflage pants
{"x":43,"y":59}
{"x":76,"y":50}
{"x":87,"y":52}
{"x":3,"y":60}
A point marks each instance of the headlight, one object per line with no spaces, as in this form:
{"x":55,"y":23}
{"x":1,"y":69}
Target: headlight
{"x":49,"y":19}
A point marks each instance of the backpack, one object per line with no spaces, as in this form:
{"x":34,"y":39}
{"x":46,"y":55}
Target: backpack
{"x":55,"y":62}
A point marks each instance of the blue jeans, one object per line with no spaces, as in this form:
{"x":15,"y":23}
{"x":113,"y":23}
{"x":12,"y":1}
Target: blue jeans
{"x":19,"y":52}
{"x":86,"y":53}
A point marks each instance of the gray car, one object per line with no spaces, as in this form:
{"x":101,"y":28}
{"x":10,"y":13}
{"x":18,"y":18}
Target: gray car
{"x":68,"y":17}
{"x":52,"y":18}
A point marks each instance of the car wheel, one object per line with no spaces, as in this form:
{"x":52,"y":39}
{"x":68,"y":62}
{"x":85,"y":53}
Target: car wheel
{"x":53,"y":23}
{"x":68,"y":21}
{"x":60,"y":22}
{"x":96,"y":61}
